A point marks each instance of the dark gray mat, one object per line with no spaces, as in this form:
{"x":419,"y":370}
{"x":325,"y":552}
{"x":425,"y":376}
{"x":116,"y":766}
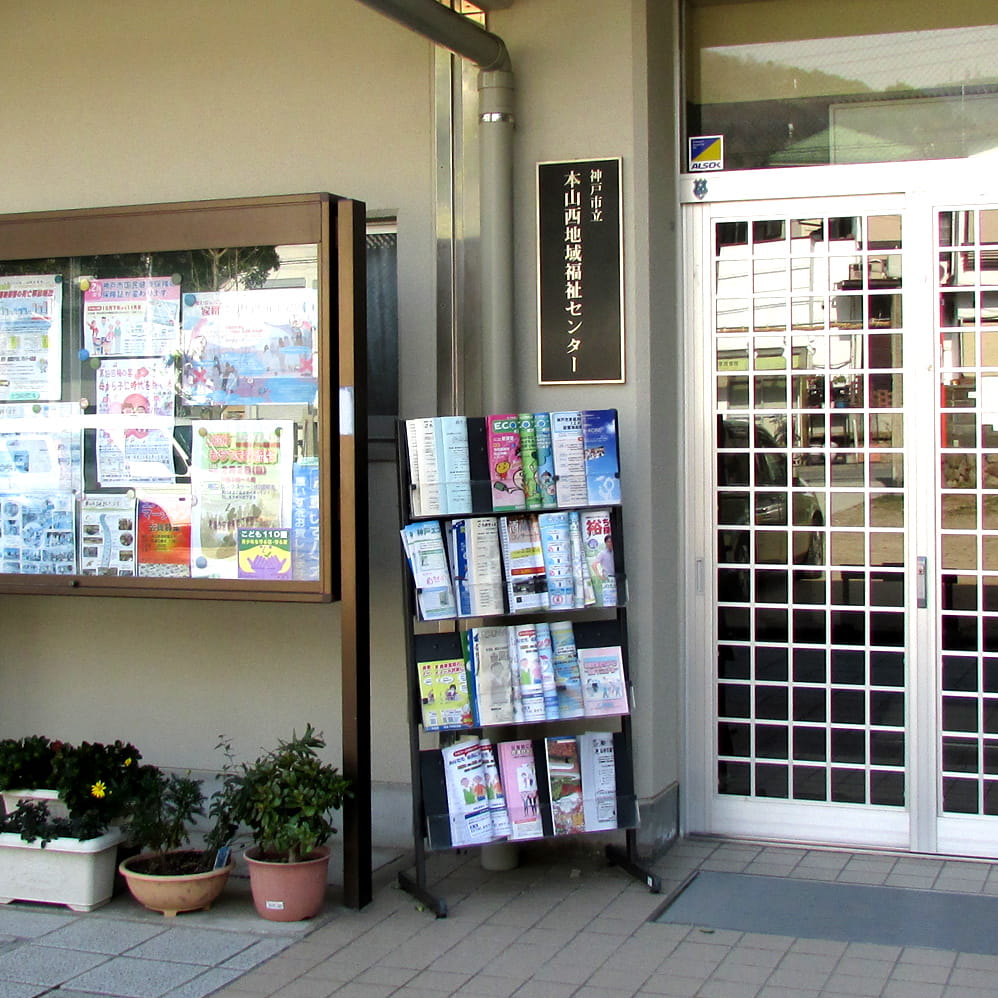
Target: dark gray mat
{"x":890,"y":916}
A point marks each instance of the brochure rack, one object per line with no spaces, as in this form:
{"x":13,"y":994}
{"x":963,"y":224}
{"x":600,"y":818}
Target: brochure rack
{"x":447,"y":640}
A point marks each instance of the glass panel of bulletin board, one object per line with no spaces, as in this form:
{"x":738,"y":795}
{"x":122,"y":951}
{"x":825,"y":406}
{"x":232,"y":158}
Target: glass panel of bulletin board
{"x":168,"y":411}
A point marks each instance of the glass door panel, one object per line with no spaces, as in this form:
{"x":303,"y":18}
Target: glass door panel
{"x":967,"y":331}
{"x":810,"y":514}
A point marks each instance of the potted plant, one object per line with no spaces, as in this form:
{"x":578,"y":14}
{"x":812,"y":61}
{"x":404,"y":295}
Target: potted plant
{"x":166,"y":876}
{"x":286,"y":797}
{"x":60,"y":801}
{"x":57,"y":859}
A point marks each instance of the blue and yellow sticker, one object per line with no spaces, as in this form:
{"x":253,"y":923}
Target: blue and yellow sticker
{"x":706,"y":153}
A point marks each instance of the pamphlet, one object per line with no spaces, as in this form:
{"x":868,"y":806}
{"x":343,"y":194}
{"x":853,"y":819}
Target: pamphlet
{"x":164,"y":532}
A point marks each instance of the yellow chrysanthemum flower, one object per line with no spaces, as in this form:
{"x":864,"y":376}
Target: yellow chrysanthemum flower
{"x":128,"y":761}
{"x":99,"y":789}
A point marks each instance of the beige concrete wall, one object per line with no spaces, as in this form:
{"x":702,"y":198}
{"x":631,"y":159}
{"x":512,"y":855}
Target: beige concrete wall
{"x":144,"y":101}
{"x":596,"y":80}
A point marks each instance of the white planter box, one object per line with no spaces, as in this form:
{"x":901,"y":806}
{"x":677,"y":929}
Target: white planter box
{"x":76,"y":873}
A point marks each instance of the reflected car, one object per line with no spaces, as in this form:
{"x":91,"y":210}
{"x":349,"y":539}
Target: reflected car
{"x":789,"y":505}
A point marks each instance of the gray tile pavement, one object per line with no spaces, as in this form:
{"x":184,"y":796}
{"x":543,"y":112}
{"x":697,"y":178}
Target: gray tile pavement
{"x":124,"y":951}
{"x":563,"y":923}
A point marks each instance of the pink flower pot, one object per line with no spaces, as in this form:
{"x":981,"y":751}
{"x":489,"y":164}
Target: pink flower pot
{"x":288,"y":892}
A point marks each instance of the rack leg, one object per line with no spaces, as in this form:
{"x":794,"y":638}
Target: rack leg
{"x":437,"y":905}
{"x":627,"y":860}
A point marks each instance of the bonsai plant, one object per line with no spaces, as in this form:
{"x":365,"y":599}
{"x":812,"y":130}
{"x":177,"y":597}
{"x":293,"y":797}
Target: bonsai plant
{"x":160,"y":817}
{"x":286,"y":797}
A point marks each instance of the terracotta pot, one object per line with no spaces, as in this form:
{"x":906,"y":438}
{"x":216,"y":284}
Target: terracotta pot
{"x":172,"y":893}
{"x":288,"y":892}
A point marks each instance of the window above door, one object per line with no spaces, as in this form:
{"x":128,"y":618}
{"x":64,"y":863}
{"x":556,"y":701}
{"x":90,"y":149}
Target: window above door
{"x":804,"y":84}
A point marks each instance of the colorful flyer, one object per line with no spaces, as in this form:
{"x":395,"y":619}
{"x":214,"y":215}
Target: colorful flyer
{"x":265,"y":553}
{"x":131,"y":316}
{"x":241,"y":479}
{"x":31,"y":338}
{"x":164,"y":533}
{"x":250,"y":347}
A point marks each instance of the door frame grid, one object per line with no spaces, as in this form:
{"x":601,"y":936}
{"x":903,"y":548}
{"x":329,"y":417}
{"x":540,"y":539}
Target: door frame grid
{"x":704,"y":810}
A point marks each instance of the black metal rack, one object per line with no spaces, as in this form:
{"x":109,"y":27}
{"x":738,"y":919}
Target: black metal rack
{"x":626,"y":856}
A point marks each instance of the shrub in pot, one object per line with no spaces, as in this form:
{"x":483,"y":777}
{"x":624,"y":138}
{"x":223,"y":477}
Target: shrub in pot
{"x":33,"y":821}
{"x":160,"y":819}
{"x":286,"y":797}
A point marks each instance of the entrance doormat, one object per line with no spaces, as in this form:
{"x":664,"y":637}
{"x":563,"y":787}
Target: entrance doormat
{"x":889,"y":916}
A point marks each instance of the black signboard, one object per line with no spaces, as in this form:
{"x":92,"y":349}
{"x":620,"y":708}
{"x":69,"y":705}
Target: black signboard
{"x":580,"y":315}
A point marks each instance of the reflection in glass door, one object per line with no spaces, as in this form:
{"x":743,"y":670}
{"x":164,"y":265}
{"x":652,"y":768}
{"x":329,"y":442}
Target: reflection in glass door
{"x":967,"y":290}
{"x":810,"y":515}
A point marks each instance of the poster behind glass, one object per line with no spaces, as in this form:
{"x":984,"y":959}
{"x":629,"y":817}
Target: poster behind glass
{"x":159,"y":414}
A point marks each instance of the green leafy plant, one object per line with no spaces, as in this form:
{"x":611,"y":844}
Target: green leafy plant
{"x":160,"y":817}
{"x":32,"y":820}
{"x":94,"y":778}
{"x":26,"y":763}
{"x":286,"y":797}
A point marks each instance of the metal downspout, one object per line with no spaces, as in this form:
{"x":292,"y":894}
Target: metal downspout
{"x":453,"y":31}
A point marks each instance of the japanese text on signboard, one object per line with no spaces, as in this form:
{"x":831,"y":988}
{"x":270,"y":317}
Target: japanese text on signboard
{"x":580,"y":313}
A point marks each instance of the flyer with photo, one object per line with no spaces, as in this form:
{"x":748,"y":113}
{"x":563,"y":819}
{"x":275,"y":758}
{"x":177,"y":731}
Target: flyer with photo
{"x":38,"y":534}
{"x":107,"y":535}
{"x":250,"y":347}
